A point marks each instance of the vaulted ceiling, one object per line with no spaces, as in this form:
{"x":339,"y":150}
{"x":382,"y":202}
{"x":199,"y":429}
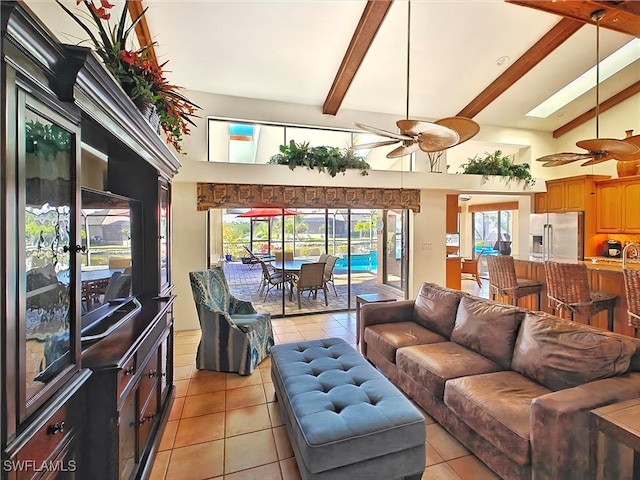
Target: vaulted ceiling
{"x":492,"y":61}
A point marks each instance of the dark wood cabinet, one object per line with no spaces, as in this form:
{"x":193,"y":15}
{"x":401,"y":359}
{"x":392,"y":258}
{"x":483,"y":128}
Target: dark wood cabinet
{"x":130,"y":401}
{"x":74,"y":409}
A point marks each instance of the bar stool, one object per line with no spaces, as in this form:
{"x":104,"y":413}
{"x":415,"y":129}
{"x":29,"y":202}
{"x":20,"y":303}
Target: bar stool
{"x":503,"y":280}
{"x":632,"y":290}
{"x":568,"y":289}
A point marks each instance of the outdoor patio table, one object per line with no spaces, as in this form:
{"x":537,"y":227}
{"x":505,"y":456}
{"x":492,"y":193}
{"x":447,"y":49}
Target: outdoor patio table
{"x":290,"y":266}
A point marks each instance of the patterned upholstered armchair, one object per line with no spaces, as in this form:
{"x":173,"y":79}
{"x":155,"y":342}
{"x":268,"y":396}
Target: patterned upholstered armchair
{"x":235,"y":338}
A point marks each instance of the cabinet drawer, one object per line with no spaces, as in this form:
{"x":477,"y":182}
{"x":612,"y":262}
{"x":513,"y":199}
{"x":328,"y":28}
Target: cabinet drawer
{"x":46,"y":449}
{"x":149,"y":377}
{"x":126,"y":375}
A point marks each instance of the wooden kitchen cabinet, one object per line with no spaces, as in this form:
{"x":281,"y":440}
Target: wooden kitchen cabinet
{"x":618,"y":203}
{"x":540,"y":202}
{"x":572,"y":194}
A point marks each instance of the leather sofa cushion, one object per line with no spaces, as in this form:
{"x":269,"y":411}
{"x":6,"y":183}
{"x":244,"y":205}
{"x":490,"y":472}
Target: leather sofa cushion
{"x":386,"y":338}
{"x":488,"y":328}
{"x":432,"y":365}
{"x":560,"y":354}
{"x":497,"y":406}
{"x":435,"y":308}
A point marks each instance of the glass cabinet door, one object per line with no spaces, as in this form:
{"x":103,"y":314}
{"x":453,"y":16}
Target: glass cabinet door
{"x":46,"y":320}
{"x":164,"y":206}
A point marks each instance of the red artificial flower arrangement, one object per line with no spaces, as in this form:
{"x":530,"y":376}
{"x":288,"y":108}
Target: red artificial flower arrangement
{"x":140,"y":77}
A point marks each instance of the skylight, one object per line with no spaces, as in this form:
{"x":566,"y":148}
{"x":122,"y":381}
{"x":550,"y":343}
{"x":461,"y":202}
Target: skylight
{"x":611,"y":65}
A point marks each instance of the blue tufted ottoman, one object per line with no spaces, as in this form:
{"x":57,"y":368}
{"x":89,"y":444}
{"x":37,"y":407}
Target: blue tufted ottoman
{"x":345,"y":419}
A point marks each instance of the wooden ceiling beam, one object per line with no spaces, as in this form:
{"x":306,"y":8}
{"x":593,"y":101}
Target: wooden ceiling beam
{"x":543,"y":47}
{"x":620,"y":15}
{"x":372,"y":17}
{"x":142,"y":29}
{"x":604,"y":106}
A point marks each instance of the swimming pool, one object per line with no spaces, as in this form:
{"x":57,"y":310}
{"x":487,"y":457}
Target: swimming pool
{"x":360,"y":262}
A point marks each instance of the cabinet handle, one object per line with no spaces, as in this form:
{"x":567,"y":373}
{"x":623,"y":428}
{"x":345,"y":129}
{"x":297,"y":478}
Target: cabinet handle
{"x":153,"y":373}
{"x":56,"y":428}
{"x":130,"y":371}
{"x":144,"y":420}
{"x":74,"y":248}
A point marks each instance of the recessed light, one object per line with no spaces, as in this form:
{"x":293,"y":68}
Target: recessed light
{"x":502,"y":60}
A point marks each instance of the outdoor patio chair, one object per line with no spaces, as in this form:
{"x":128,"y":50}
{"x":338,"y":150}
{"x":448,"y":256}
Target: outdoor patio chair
{"x":235,"y":338}
{"x":252,"y":258}
{"x":311,"y":279}
{"x":328,"y":272}
{"x":270,"y":279}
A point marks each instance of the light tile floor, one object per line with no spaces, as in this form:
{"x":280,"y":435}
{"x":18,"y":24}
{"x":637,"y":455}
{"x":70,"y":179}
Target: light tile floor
{"x":226,"y":426}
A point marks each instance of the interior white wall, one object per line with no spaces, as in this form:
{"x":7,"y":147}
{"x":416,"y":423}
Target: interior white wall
{"x":188,"y":251}
{"x":428,"y":226}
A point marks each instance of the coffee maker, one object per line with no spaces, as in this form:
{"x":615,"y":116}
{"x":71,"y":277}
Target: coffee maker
{"x":612,"y":249}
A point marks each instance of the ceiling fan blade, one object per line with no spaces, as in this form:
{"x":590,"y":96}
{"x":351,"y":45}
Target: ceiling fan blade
{"x":563,"y":157}
{"x":609,"y":145}
{"x":402,"y":150}
{"x":465,"y":127}
{"x":365,"y":146}
{"x":634,"y":140}
{"x":382,"y":133}
{"x":597,"y":160}
{"x":626,"y":158}
{"x":557,"y":163}
{"x":429,"y":142}
{"x":410,"y":127}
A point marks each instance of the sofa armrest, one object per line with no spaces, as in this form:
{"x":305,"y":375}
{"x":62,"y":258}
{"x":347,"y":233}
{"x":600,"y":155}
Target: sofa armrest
{"x":560,"y":424}
{"x":389,"y":312}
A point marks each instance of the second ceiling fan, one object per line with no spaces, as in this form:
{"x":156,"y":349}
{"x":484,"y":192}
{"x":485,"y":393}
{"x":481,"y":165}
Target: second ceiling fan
{"x":416,"y":134}
{"x":599,"y":149}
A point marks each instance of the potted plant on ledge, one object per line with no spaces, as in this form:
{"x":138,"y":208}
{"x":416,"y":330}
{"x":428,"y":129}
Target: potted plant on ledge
{"x":497,"y":164}
{"x":330,"y":159}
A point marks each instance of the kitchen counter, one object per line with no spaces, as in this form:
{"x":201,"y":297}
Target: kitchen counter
{"x":592,"y":263}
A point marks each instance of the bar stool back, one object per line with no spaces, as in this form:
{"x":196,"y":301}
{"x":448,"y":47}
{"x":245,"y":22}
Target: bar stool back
{"x":568,"y":289}
{"x":503,"y":280}
{"x":632,"y":291}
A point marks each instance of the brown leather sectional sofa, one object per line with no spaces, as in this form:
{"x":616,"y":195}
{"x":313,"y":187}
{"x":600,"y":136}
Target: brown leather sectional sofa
{"x":515,"y":387}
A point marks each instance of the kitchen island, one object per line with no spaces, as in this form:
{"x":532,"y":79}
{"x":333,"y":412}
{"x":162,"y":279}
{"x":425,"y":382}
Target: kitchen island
{"x":605,"y":275}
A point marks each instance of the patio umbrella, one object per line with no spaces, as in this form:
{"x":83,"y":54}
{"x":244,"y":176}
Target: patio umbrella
{"x":266,"y":213}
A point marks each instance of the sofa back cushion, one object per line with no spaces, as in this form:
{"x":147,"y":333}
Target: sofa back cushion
{"x":435,"y":308}
{"x":560,"y":354}
{"x":635,"y":358}
{"x":488,"y":328}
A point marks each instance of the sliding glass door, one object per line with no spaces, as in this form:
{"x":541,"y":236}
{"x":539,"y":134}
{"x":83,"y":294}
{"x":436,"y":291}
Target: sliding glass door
{"x":369,"y":246}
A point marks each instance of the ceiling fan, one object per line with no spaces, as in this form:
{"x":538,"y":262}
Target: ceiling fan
{"x":599,"y":149}
{"x":418,"y":135}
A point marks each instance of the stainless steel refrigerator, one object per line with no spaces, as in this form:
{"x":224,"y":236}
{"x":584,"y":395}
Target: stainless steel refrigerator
{"x":557,"y":236}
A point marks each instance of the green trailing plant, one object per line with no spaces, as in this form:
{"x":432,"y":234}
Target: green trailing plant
{"x":324,"y":159}
{"x":496,"y":164}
